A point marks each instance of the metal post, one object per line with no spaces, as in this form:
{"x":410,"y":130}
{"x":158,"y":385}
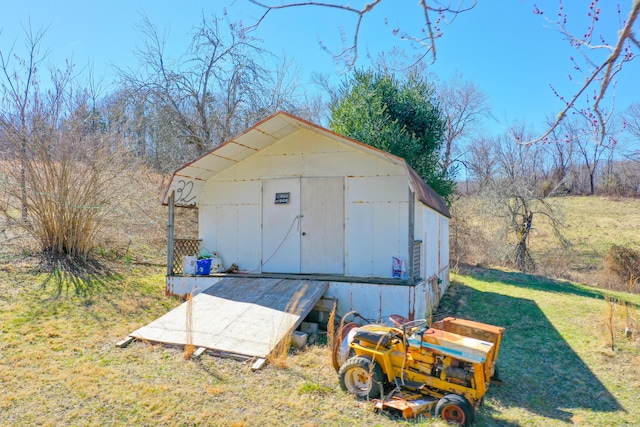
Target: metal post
{"x":170,"y":233}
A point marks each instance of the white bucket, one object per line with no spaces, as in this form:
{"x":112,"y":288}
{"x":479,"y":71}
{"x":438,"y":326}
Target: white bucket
{"x":189,"y":265}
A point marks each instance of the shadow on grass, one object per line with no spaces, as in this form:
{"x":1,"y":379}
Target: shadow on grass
{"x":78,"y":277}
{"x":530,"y":281}
{"x":541,"y":372}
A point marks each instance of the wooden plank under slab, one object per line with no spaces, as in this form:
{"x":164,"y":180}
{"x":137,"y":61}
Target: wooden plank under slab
{"x":125,"y":342}
{"x":243,"y":316}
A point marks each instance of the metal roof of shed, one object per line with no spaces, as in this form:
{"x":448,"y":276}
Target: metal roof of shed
{"x":274,"y":128}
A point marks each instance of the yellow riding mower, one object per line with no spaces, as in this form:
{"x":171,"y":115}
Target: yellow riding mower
{"x":410,"y":368}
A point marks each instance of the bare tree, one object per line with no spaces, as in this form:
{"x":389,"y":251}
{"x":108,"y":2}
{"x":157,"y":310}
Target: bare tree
{"x":481,"y":161}
{"x":217,"y":88}
{"x":631,"y":119}
{"x":20,"y":100}
{"x":464,"y":105}
{"x":560,"y":148}
{"x":60,"y":170}
{"x":217,"y":70}
{"x":589,"y":150}
{"x":512,"y":175}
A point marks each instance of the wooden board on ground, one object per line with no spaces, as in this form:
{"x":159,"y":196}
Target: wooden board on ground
{"x":242,"y":316}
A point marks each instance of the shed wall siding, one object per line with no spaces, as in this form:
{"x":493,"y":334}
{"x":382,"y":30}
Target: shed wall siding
{"x":373,"y":302}
{"x":377,"y":221}
{"x":435,"y":256}
{"x":378,"y":301}
{"x":430,"y":242}
{"x":443,"y":272}
{"x":376,"y":203}
{"x":232,"y":225}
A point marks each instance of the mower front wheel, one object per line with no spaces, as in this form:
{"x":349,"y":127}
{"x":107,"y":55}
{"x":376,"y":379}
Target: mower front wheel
{"x":455,"y":408}
{"x":361,"y":376}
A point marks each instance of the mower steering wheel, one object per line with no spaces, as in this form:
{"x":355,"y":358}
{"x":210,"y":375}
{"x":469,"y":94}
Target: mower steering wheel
{"x":413,"y":324}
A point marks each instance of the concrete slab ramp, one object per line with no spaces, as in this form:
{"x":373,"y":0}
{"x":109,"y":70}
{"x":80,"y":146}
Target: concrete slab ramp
{"x":238,"y":316}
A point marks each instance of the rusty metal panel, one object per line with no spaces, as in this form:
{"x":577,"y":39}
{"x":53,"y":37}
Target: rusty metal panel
{"x":470,"y":328}
{"x":407,"y":405}
{"x":376,"y":301}
{"x":449,"y":344}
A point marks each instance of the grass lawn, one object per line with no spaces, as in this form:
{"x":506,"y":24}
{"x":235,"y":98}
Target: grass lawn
{"x":59,"y":364}
{"x":556,"y":361}
{"x":591,"y":225}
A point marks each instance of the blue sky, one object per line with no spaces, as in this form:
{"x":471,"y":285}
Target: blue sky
{"x":509,"y":53}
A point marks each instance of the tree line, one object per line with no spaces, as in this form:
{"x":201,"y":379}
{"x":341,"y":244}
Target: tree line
{"x":68,"y":142}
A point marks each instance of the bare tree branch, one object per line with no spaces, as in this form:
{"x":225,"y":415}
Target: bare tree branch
{"x":601,"y":76}
{"x":603,"y":73}
{"x":349,"y":54}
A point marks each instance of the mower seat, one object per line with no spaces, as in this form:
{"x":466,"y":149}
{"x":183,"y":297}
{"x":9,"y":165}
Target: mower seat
{"x":381,"y":339}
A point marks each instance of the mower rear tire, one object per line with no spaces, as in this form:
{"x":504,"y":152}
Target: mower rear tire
{"x":455,"y":408}
{"x":361,"y":376}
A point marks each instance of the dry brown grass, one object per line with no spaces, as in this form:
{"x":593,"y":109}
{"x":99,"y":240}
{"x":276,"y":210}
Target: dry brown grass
{"x":189,"y":348}
{"x":280,"y":353}
{"x":620,"y":319}
{"x":331,"y":325}
{"x":59,"y":366}
{"x":592,"y":225}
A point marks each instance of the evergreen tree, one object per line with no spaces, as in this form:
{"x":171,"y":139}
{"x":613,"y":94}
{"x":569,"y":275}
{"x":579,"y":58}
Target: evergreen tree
{"x":400,"y":117}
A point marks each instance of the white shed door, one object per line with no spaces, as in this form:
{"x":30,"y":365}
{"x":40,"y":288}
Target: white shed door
{"x":322,"y":225}
{"x":281,"y":225}
{"x":303,"y":225}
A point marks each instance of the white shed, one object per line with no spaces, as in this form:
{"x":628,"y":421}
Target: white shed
{"x":291,"y":199}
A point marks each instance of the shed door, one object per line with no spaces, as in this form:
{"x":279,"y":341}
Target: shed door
{"x":322,"y":225}
{"x":303,"y":225}
{"x":281,"y":225}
